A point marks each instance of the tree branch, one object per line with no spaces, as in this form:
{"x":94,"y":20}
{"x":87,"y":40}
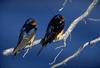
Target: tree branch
{"x":77,"y":52}
{"x":9,"y":51}
{"x":93,"y":19}
{"x":80,"y":18}
{"x":74,"y":24}
{"x":77,"y":20}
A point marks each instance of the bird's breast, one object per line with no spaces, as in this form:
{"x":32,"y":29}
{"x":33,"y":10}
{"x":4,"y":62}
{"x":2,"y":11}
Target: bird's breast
{"x":60,"y":35}
{"x":31,"y":38}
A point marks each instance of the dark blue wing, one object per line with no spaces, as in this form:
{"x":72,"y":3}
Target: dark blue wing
{"x":23,"y":30}
{"x":21,"y":35}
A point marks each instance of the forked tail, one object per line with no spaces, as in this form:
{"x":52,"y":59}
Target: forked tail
{"x":41,"y":49}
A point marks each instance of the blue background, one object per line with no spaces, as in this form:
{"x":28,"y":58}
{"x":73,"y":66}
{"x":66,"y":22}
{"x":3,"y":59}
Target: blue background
{"x":13,"y":14}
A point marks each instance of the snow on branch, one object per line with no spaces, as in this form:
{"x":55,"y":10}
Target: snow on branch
{"x":90,"y":43}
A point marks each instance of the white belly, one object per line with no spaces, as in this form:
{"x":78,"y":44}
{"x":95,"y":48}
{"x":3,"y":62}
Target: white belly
{"x":60,"y":35}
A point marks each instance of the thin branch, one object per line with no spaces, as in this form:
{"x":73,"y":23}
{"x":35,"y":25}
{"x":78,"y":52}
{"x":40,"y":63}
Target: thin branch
{"x":93,"y":19}
{"x":63,"y":5}
{"x":84,"y":20}
{"x":56,"y":57}
{"x":77,"y":52}
{"x":26,"y":52}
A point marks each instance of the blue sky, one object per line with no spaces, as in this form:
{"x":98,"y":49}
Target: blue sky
{"x":13,"y":14}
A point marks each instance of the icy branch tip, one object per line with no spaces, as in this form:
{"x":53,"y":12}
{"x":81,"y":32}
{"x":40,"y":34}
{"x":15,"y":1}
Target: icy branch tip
{"x":8,"y":51}
{"x":60,"y":9}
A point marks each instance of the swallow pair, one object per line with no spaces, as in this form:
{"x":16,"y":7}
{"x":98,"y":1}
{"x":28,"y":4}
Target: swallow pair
{"x":28,"y":31}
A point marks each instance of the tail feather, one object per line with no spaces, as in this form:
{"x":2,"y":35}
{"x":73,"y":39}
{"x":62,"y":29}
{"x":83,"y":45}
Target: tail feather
{"x":43,"y":42}
{"x":46,"y":40}
{"x":15,"y":53}
{"x":41,"y":49}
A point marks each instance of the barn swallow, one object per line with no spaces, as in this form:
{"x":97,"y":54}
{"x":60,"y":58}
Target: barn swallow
{"x":54,"y":30}
{"x":26,"y":36}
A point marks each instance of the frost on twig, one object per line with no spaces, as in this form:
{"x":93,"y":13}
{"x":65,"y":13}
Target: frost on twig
{"x":77,"y":52}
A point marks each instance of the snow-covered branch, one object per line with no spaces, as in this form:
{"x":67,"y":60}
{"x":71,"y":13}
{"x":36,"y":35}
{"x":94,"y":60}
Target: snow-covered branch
{"x":90,"y":43}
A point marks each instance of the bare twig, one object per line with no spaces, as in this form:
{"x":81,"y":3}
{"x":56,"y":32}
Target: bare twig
{"x":77,"y":52}
{"x":84,"y":20}
{"x":63,"y":5}
{"x":56,"y":57}
{"x":93,"y":19}
{"x":26,"y":52}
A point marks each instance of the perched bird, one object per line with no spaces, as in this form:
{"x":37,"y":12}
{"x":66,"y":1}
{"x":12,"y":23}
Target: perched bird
{"x":26,"y":36}
{"x":54,"y":30}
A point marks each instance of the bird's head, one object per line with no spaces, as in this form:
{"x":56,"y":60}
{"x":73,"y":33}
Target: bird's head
{"x":59,"y":17}
{"x":33,"y":23}
{"x":62,"y":18}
